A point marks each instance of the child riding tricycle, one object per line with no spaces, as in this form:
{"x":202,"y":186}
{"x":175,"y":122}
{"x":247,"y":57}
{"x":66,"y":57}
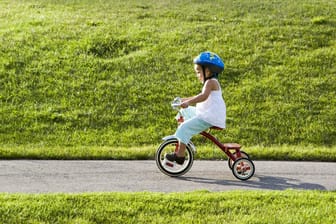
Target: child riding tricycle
{"x":175,"y":155}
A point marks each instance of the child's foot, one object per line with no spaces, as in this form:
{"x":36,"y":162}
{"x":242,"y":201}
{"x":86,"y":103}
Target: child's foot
{"x":173,"y":157}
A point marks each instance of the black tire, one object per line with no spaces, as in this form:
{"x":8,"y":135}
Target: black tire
{"x":172,"y":168}
{"x":243,"y":169}
{"x":243,"y":155}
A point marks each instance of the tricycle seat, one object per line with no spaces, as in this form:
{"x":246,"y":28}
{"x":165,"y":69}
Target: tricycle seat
{"x":232,"y":146}
{"x":216,"y":128}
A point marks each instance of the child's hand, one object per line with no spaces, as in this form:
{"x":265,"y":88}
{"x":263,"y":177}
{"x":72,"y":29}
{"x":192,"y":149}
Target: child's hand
{"x":184,"y":104}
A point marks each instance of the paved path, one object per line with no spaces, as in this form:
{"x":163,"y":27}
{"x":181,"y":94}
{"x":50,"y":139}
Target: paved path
{"x":43,"y":176}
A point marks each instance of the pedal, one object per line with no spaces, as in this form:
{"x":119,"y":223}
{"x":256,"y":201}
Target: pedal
{"x":168,"y":163}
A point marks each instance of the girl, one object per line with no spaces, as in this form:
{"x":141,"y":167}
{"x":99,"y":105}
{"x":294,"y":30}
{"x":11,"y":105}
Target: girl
{"x":210,"y":105}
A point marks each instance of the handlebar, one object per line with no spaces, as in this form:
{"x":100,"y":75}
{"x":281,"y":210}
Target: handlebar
{"x":176,"y":103}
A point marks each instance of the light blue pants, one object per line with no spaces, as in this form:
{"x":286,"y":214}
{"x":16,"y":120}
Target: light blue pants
{"x":189,"y":128}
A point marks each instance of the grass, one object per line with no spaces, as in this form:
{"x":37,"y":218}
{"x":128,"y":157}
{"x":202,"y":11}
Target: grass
{"x":102,"y":73}
{"x":204,"y":151}
{"x":288,"y":206}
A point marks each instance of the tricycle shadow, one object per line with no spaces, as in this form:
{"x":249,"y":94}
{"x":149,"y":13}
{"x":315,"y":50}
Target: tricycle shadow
{"x":259,"y":182}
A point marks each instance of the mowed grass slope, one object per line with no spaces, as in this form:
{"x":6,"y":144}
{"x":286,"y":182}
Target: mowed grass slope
{"x":102,"y":73}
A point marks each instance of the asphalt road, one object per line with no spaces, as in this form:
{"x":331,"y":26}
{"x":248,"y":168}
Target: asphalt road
{"x":46,"y":176}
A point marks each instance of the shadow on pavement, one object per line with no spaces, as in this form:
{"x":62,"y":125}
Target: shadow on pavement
{"x":259,"y":182}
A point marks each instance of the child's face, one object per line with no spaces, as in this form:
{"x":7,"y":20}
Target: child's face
{"x":199,"y":72}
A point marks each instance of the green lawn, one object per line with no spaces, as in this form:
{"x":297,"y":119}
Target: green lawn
{"x":204,"y":151}
{"x":102,"y":73}
{"x":292,"y":207}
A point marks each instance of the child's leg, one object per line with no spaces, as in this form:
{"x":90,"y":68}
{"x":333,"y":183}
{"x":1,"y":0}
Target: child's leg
{"x":181,"y":149}
{"x":188,"y":129}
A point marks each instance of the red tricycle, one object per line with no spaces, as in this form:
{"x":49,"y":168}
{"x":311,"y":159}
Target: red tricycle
{"x":239,"y":161}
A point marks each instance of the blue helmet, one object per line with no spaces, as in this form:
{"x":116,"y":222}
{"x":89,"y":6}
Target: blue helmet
{"x":211,"y":60}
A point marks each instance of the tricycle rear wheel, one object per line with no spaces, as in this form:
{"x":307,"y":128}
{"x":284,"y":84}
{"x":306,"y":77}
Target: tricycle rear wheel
{"x":242,"y":155}
{"x":243,"y":169}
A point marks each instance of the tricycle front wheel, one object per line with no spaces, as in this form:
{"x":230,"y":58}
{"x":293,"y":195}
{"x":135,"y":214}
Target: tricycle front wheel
{"x":172,"y":168}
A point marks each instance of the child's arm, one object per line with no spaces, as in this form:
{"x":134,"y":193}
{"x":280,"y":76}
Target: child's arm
{"x":186,"y":99}
{"x":210,"y":85}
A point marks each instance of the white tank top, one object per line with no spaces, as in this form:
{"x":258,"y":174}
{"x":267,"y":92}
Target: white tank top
{"x":213,"y":109}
